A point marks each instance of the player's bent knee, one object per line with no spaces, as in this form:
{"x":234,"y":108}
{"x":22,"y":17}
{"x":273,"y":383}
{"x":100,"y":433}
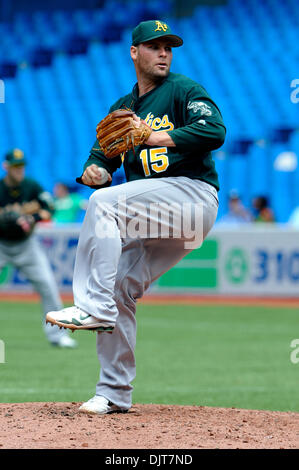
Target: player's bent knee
{"x":103,"y":196}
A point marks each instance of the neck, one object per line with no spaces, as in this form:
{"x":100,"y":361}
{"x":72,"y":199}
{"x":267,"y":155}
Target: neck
{"x":146,"y":84}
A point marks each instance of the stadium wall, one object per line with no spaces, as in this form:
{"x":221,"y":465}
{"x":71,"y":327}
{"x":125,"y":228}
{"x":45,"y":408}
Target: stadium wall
{"x":252,"y":260}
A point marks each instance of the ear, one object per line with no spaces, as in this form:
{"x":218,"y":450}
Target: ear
{"x":133,"y":52}
{"x":5,"y":166}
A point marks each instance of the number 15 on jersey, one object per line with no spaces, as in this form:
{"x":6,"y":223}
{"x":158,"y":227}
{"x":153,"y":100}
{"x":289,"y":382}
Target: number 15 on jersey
{"x":154,"y":160}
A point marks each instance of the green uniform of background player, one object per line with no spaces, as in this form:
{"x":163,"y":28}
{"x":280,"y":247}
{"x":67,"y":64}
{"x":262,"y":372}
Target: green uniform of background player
{"x":18,"y":245}
{"x":68,"y":205}
{"x":116,"y":261}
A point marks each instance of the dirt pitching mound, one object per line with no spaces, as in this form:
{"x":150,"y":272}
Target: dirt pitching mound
{"x":60,"y":426}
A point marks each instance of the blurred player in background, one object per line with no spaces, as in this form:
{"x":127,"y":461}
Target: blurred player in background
{"x":237,"y":213}
{"x":68,"y":205}
{"x":262,"y":211}
{"x":23,"y":203}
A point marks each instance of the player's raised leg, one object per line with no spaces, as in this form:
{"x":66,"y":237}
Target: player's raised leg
{"x":97,"y":257}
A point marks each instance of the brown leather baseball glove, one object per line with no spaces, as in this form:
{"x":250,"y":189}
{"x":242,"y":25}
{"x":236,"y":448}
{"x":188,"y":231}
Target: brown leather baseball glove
{"x":119,"y":132}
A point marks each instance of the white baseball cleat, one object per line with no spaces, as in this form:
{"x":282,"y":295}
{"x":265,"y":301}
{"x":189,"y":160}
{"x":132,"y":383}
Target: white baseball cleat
{"x":101,"y":406}
{"x":76,"y":319}
{"x":65,"y":342}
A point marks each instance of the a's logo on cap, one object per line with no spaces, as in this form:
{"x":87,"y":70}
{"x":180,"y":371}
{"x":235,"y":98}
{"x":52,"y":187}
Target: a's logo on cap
{"x":161,"y":26}
{"x":18,"y":154}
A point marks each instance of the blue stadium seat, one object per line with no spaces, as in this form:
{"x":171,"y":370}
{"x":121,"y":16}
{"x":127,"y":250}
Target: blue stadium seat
{"x":244,"y":53}
{"x":259,"y":170}
{"x":222,"y":168}
{"x":282,"y":187}
{"x":293,"y":146}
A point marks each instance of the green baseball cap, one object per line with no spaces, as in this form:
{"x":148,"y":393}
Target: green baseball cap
{"x":154,"y":29}
{"x":15,"y":157}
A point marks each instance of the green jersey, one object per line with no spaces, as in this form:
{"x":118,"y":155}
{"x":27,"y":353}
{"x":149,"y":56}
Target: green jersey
{"x":182,"y":108}
{"x":27,"y":191}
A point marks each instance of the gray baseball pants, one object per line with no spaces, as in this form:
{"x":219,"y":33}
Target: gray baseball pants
{"x":125,"y":244}
{"x":33,"y":263}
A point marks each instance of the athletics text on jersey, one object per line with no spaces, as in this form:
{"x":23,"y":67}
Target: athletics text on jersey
{"x":182,"y":108}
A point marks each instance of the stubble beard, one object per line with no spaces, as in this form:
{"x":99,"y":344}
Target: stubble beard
{"x":155,"y":75}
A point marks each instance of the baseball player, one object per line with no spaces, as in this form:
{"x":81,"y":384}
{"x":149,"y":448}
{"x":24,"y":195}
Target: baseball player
{"x":23,"y":203}
{"x":173,"y":170}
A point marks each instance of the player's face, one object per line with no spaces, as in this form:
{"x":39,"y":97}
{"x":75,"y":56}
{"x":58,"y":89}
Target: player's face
{"x":60,"y":190}
{"x":16,"y":173}
{"x":152,"y":59}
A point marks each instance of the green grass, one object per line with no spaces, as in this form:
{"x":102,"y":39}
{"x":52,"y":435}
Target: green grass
{"x":206,"y":355}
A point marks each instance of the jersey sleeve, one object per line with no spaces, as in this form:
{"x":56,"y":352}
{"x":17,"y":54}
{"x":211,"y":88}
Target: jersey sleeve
{"x":96,"y":156}
{"x":203,"y":125}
